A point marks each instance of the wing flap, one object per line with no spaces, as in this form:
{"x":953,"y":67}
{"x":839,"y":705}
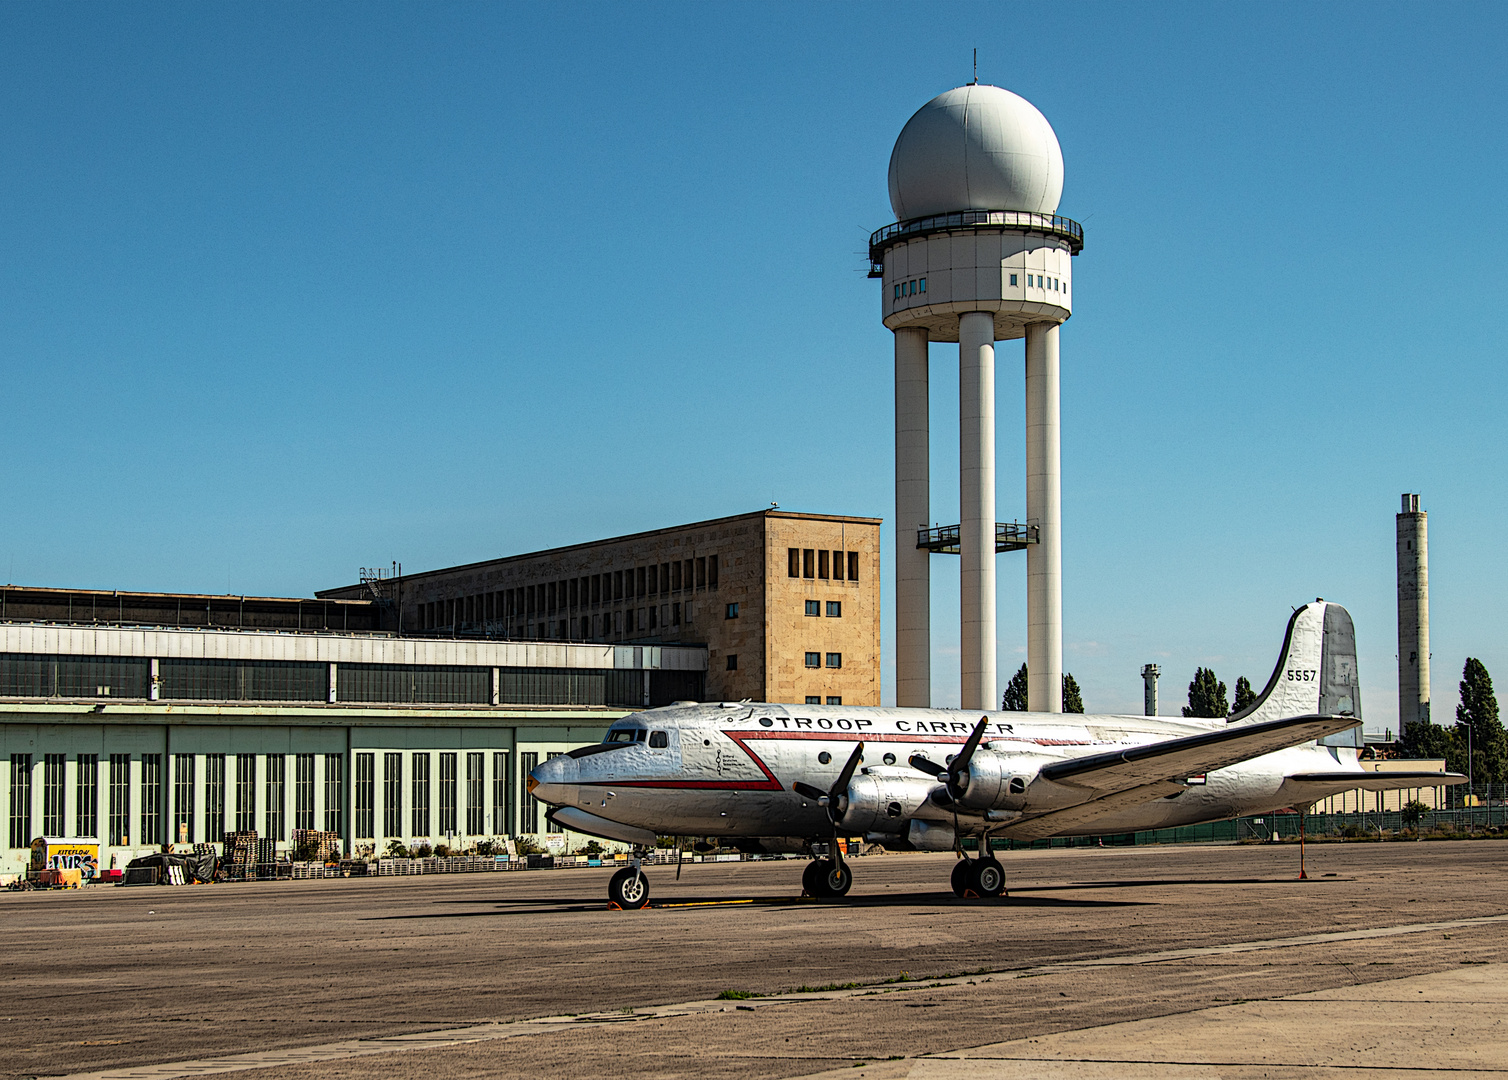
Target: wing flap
{"x":1123,"y":770}
{"x":1056,"y":821}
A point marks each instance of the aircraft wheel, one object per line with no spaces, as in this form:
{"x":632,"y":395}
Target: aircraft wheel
{"x":629,"y":888}
{"x":960,"y":878}
{"x":987,"y":876}
{"x":832,"y":878}
{"x":809,"y":884}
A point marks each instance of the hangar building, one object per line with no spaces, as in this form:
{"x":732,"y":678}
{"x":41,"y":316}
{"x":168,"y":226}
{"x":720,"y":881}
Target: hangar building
{"x":413,"y":710}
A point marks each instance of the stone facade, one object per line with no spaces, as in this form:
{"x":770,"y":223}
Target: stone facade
{"x":726,"y":584}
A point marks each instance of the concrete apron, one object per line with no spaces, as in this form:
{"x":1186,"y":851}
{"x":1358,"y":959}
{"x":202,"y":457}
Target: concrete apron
{"x":1448,"y":1024}
{"x":1417,"y":1026}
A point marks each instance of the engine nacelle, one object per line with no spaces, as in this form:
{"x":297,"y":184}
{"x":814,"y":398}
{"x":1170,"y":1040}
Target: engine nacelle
{"x":1000,"y":781}
{"x":884,"y":802}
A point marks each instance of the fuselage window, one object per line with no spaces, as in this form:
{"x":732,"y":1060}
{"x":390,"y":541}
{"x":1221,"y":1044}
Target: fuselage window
{"x":824,"y":757}
{"x":658,"y":740}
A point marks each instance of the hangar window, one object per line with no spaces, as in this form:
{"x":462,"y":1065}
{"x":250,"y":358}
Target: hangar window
{"x":822,"y":564}
{"x":835,"y":609}
{"x":792,"y":562}
{"x":922,"y":285}
{"x":1013,"y":279}
{"x":812,"y":699}
{"x":808,"y":563}
{"x":814,"y":660}
{"x":834,"y":701}
{"x":814,"y":607}
{"x":732,"y":661}
{"x":853,"y":566}
{"x":837,"y":566}
{"x":834,"y":659}
{"x":732,"y":612}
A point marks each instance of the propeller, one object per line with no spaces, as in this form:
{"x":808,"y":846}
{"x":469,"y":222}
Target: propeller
{"x":955,"y":774}
{"x":835,"y":797}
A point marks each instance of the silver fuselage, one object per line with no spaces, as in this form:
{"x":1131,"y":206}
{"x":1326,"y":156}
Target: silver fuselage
{"x":727,"y":770}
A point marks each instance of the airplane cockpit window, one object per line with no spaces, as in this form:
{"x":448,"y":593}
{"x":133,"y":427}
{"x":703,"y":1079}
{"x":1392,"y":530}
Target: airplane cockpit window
{"x":625,"y":735}
{"x":658,"y":740}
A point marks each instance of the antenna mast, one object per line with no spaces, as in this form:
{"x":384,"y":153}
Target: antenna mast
{"x":976,"y":67}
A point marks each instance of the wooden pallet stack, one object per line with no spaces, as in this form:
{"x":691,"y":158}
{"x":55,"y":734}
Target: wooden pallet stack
{"x":240,"y":858}
{"x":316,"y":845}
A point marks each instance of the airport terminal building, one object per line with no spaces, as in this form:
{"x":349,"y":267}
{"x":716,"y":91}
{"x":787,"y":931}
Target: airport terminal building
{"x":413,"y":711}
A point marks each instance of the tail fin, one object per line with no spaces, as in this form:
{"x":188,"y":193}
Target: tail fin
{"x":1316,"y":672}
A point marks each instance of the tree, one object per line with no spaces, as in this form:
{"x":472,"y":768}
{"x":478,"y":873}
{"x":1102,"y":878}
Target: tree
{"x":1206,"y":696}
{"x":1477,"y":714}
{"x":1073,"y":701}
{"x":1014,"y":699}
{"x":1423,"y":739}
{"x":1245,"y":695}
{"x":1015,"y":693}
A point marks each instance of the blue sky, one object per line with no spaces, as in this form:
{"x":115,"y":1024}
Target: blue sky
{"x":287,"y":290}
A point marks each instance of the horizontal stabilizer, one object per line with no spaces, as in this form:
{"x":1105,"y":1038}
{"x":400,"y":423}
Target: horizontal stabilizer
{"x":1321,"y":785}
{"x":1122,"y":770}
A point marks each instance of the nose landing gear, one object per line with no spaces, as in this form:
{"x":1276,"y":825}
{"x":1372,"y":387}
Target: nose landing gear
{"x":981,"y":877}
{"x":628,"y":888}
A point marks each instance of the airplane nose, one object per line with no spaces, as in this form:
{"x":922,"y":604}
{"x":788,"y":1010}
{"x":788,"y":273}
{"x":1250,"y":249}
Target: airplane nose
{"x":548,"y":781}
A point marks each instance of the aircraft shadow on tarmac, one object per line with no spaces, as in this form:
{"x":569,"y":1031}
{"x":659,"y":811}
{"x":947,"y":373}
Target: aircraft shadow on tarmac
{"x":538,"y":905}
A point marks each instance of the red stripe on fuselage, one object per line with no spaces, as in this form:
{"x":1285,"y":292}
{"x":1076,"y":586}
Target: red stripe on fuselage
{"x":770,"y":783}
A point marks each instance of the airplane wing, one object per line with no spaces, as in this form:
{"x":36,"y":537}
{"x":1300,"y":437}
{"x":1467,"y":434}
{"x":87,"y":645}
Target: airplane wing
{"x":1056,"y":821}
{"x":1309,"y":787}
{"x":1124,"y":770}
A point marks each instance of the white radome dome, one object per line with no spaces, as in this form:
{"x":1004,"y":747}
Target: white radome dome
{"x":975,"y":148}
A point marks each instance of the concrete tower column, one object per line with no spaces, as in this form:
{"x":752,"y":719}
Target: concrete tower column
{"x":1413,"y":614}
{"x":976,"y":534}
{"x":913,"y":509}
{"x":1044,"y":509}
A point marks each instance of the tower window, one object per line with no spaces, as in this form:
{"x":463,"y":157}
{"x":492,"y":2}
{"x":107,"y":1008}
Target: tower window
{"x":835,"y":701}
{"x":834,"y":659}
{"x":732,"y":661}
{"x":813,"y":660}
{"x":813,"y":699}
{"x":732,"y":611}
{"x":814,"y":607}
{"x":793,"y":562}
{"x":1013,"y":279}
{"x":922,"y":286}
{"x":897,"y":292}
{"x":834,"y":609}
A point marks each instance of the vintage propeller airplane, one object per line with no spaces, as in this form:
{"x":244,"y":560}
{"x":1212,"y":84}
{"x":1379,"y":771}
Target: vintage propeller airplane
{"x":783,"y":778}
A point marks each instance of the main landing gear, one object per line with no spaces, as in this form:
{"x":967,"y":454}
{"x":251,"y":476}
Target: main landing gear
{"x":979,"y":877}
{"x":826,"y":879}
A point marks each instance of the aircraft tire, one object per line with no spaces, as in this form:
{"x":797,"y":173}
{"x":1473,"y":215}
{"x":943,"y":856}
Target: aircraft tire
{"x":833,"y":879}
{"x":987,"y":876}
{"x":809,"y":876}
{"x":960,"y":878}
{"x":629,"y":889}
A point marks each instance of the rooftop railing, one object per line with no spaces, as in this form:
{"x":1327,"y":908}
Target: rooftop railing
{"x":1009,"y":536}
{"x":967,"y":221}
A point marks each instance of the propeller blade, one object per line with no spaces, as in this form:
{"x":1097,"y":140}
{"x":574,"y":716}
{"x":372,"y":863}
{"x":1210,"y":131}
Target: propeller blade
{"x":958,"y":769}
{"x":814,"y":794}
{"x":961,"y":762}
{"x":926,"y":765}
{"x":846,"y":776}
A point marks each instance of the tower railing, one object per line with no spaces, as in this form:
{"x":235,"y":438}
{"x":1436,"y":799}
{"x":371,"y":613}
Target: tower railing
{"x":1009,"y":536}
{"x":967,"y":220}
